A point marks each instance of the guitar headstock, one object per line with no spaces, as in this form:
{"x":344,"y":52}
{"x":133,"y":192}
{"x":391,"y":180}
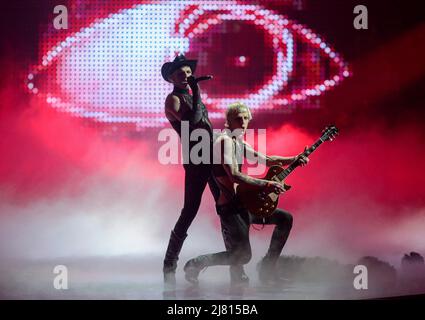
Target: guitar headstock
{"x":329,"y":133}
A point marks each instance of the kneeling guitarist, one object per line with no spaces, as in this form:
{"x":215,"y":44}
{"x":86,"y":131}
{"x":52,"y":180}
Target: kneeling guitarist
{"x":234,"y":217}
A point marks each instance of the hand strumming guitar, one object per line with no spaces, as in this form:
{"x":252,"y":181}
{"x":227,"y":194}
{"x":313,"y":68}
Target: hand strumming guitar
{"x":275,"y":187}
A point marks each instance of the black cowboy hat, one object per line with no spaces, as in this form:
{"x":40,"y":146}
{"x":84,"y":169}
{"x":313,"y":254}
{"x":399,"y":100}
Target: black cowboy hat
{"x":169,"y":67}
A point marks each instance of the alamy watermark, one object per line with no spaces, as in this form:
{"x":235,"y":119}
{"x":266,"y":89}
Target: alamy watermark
{"x":361,"y":20}
{"x":60,"y":282}
{"x":198,"y":147}
{"x":360,"y":281}
{"x":61,"y":20}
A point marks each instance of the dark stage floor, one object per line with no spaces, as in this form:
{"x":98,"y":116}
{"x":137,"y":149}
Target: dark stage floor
{"x":138,"y":278}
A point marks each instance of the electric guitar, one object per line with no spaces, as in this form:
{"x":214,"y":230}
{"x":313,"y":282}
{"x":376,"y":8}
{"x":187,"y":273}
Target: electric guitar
{"x":261,"y":203}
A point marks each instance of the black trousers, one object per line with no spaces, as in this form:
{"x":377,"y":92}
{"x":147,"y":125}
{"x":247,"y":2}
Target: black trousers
{"x":235,"y":222}
{"x":283,"y":221}
{"x":195,"y":180}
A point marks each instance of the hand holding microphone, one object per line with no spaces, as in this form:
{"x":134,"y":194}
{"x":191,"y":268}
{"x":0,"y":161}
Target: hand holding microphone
{"x":193,"y":82}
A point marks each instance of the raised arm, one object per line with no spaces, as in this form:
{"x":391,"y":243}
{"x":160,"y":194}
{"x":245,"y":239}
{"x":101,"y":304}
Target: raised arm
{"x":194,"y":115}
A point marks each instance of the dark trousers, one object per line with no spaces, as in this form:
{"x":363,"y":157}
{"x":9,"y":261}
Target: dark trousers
{"x":195,"y":180}
{"x":235,"y":222}
{"x":283,"y":221}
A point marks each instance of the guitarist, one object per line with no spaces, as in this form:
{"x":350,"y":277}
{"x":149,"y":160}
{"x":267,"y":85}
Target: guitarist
{"x":235,"y":219}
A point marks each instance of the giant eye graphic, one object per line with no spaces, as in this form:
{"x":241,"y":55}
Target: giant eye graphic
{"x":109,"y":72}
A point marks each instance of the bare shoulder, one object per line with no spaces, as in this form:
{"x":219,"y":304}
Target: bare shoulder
{"x":172,"y":107}
{"x":171,"y":101}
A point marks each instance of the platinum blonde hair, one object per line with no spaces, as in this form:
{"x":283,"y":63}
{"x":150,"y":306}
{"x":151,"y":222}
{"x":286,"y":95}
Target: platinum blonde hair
{"x":234,"y":109}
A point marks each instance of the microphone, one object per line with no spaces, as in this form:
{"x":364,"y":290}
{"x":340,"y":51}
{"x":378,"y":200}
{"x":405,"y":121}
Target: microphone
{"x":203,"y":78}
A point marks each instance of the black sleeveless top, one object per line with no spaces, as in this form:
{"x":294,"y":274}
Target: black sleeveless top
{"x":186,"y":102}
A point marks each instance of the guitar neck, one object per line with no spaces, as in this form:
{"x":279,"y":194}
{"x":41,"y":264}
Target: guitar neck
{"x":282,"y":176}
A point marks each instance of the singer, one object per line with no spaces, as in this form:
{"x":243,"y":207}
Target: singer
{"x":181,"y":106}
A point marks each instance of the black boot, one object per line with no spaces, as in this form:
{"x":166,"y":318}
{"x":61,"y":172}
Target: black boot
{"x":266,"y":270}
{"x":238,"y":275}
{"x":171,"y":256}
{"x":194,"y":266}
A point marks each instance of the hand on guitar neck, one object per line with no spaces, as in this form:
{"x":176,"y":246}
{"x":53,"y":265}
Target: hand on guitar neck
{"x":302,"y":158}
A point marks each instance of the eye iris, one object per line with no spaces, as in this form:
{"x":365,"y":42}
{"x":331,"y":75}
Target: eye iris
{"x":237,"y":54}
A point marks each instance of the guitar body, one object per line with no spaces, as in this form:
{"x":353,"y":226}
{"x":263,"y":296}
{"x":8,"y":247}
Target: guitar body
{"x":256,"y":200}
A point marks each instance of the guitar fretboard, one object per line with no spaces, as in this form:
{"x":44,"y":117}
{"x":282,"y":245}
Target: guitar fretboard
{"x":282,"y":176}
